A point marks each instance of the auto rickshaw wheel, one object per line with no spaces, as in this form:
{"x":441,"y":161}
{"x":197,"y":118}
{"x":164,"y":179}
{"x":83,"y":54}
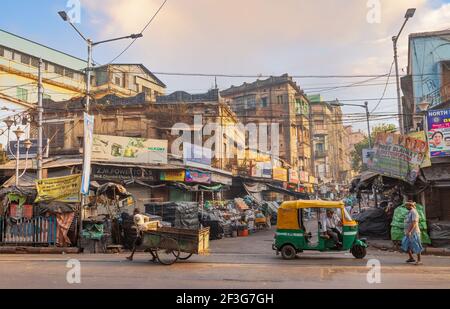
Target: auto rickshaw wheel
{"x":358,"y":252}
{"x":288,"y":252}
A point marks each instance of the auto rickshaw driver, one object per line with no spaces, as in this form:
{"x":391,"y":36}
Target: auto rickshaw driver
{"x":332,"y":221}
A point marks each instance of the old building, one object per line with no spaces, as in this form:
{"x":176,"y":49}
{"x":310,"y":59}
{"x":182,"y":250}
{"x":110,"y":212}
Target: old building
{"x":331,"y":152}
{"x":428,"y":84}
{"x":63,"y":74}
{"x":354,"y":138}
{"x":277,"y":100}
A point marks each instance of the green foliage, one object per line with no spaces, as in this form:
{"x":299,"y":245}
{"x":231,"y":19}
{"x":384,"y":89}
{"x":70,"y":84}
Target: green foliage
{"x":357,"y":164}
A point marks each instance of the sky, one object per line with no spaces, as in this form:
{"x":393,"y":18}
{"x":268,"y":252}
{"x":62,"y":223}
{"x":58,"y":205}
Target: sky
{"x":249,"y":37}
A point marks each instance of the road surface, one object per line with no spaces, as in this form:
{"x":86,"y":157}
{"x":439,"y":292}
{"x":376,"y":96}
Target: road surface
{"x":244,"y":262}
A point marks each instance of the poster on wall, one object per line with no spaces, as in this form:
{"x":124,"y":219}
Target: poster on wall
{"x":129,"y":149}
{"x":439,"y":133}
{"x":422,"y":136}
{"x":398,"y":156}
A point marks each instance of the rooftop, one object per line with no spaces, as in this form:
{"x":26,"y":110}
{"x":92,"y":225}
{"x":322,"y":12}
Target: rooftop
{"x":430,"y":34}
{"x":183,"y":96}
{"x":38,"y":50}
{"x":271,"y":81}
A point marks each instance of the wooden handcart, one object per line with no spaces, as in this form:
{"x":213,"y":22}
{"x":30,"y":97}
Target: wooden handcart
{"x":168,"y":245}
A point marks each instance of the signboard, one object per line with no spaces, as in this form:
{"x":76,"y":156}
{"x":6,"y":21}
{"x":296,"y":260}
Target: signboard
{"x":178,"y":175}
{"x":367,"y":155}
{"x":63,"y":189}
{"x":118,"y":173}
{"x":262,"y":170}
{"x":439,"y":133}
{"x":422,"y":136}
{"x":304,"y":176}
{"x":32,"y":152}
{"x":198,"y":176}
{"x":87,"y":149}
{"x":294,"y":176}
{"x":196,"y":155}
{"x":398,"y":156}
{"x":280,"y":173}
{"x":129,"y":149}
{"x":222,"y":179}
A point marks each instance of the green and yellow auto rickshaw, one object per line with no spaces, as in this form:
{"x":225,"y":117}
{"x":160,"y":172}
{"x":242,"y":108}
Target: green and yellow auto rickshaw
{"x":301,"y":226}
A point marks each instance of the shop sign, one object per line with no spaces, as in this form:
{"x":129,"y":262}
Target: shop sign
{"x":280,"y":174}
{"x":177,"y":175}
{"x":294,"y":176}
{"x":304,"y":176}
{"x":122,"y":173}
{"x":198,"y":176}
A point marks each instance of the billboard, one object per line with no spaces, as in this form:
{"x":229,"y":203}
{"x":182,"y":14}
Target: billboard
{"x":422,"y":136}
{"x":196,"y":155}
{"x":439,"y":133}
{"x":129,"y":149}
{"x":294,"y":176}
{"x":32,"y":152}
{"x":398,"y":156}
{"x":177,"y":175}
{"x":280,"y":174}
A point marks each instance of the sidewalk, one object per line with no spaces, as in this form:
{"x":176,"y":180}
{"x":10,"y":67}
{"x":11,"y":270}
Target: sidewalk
{"x":37,"y":250}
{"x":388,"y":245}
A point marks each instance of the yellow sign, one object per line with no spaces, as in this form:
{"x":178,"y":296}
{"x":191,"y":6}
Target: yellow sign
{"x":280,"y":173}
{"x":421,"y":136}
{"x":62,"y":189}
{"x":173,"y":175}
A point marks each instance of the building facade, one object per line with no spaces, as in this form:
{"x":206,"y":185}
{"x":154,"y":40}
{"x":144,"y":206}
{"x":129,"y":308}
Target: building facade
{"x":277,"y":100}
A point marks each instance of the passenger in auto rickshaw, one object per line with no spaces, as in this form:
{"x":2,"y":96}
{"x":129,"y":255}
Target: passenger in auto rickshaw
{"x":330,"y":226}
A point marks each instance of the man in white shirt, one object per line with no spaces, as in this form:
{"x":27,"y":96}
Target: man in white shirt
{"x":332,"y":223}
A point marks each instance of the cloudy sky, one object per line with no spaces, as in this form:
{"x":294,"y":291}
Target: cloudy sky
{"x":251,"y":37}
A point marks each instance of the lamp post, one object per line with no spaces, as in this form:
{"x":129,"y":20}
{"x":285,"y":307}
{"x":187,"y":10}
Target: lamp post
{"x":9,"y":122}
{"x":19,"y":133}
{"x":90,"y":44}
{"x":409,"y":14}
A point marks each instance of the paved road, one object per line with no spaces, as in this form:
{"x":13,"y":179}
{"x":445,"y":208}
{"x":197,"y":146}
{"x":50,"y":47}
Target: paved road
{"x":234,"y":263}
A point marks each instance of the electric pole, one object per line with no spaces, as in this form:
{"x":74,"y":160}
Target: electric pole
{"x":40,"y":112}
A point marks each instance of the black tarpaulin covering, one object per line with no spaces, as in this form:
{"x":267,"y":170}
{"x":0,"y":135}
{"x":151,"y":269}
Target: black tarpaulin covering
{"x":440,"y":234}
{"x":179,"y":214}
{"x":373,"y":222}
{"x":56,"y":207}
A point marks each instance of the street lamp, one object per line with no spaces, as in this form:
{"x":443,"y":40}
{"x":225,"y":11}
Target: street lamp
{"x":90,"y":45}
{"x":9,"y":122}
{"x":366,"y":107}
{"x":409,"y":14}
{"x":19,"y":133}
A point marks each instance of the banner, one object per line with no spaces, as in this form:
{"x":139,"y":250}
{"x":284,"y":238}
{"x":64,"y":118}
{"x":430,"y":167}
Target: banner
{"x":198,"y":176}
{"x":87,"y":152}
{"x":439,"y":133}
{"x":63,"y":189}
{"x":173,"y":176}
{"x":398,"y":156}
{"x":32,"y":152}
{"x":119,"y":173}
{"x":196,"y":155}
{"x":124,"y":149}
{"x":280,"y":174}
{"x":422,"y":136}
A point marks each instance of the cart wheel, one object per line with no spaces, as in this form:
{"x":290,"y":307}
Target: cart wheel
{"x":183,"y":256}
{"x":168,"y":252}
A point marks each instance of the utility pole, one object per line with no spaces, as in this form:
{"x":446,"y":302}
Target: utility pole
{"x":366,"y":104}
{"x":40,"y":112}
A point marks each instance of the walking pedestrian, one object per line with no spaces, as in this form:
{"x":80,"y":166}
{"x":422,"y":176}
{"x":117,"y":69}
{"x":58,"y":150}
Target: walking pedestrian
{"x":411,"y":242}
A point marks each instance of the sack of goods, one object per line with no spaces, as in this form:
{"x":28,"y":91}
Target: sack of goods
{"x":145,"y":223}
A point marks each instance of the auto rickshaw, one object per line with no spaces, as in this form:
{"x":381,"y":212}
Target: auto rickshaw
{"x":300,"y":227}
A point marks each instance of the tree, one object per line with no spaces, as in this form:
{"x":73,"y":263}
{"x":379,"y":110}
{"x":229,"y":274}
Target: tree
{"x":357,"y":164}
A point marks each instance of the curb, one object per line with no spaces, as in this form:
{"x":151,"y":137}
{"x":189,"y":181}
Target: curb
{"x":427,"y":251}
{"x":38,"y":250}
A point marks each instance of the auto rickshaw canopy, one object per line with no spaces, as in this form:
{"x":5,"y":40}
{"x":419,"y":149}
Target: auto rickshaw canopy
{"x":287,"y":218}
{"x":311,"y":204}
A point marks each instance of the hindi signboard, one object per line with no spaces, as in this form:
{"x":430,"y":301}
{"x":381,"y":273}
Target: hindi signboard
{"x":398,"y":156}
{"x":124,"y":149}
{"x":439,"y":133}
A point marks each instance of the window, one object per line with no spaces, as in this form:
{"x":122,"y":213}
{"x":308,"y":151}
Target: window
{"x":25,"y":59}
{"x":264,"y":102}
{"x":35,"y":62}
{"x":279,"y":99}
{"x":147,"y":90}
{"x":22,"y":94}
{"x":59,"y":70}
{"x":117,"y":81}
{"x":2,"y":52}
{"x":68,"y":73}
